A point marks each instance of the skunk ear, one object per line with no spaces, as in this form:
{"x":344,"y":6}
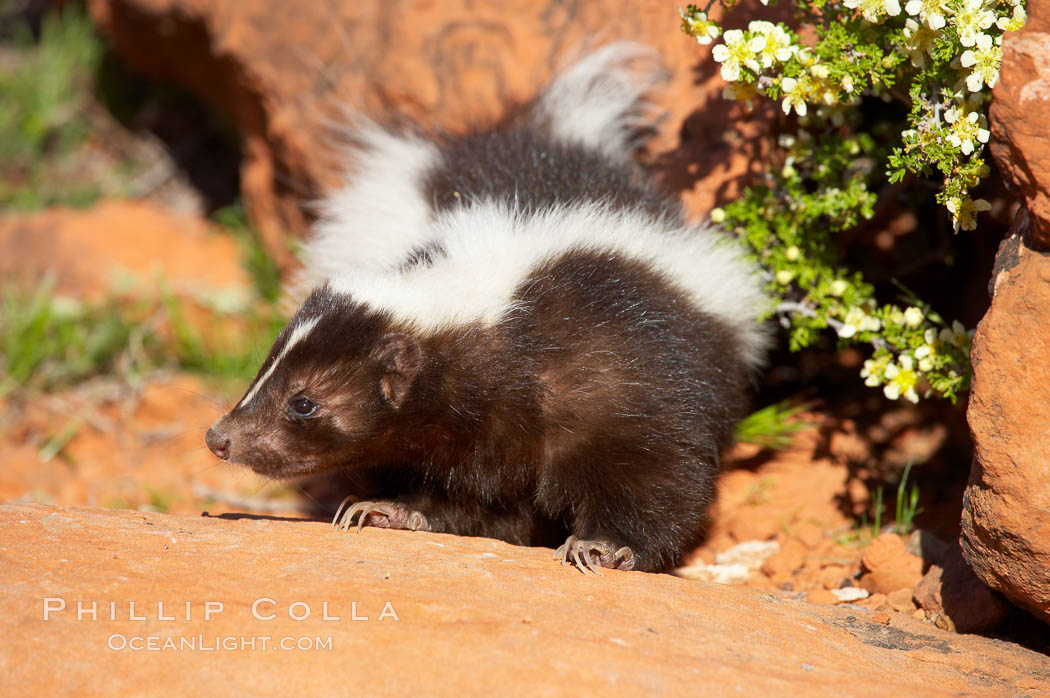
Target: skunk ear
{"x":400,"y":357}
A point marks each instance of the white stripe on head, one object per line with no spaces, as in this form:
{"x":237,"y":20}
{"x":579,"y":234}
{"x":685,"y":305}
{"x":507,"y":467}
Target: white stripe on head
{"x":298,"y":333}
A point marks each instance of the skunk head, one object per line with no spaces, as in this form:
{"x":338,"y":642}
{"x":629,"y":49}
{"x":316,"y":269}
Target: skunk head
{"x":328,"y":393}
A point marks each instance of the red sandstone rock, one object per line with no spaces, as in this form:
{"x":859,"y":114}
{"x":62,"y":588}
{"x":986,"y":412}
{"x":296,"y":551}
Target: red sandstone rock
{"x":1019,"y":114}
{"x":284,"y":70}
{"x":474,"y":616}
{"x":901,"y":600}
{"x":889,"y":565}
{"x":782,"y":564}
{"x":87,"y":249}
{"x":877,"y":602}
{"x":958,"y":594}
{"x":1006,"y":514}
{"x":834,"y":576}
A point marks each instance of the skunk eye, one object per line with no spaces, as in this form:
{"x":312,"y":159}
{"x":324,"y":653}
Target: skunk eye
{"x":302,"y":407}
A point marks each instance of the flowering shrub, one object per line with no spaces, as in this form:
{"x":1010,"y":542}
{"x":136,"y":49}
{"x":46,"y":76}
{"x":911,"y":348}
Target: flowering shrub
{"x":938,"y":57}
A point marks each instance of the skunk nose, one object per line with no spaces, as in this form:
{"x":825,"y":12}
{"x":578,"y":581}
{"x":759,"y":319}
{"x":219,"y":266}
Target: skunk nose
{"x":218,"y":442}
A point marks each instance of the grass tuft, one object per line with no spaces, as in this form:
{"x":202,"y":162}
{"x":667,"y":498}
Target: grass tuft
{"x":48,"y":341}
{"x":45,"y":88}
{"x":774,"y":426}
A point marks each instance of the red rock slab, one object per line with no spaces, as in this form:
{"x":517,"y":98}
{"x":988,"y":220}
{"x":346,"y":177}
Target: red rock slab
{"x":889,"y":566}
{"x":474,"y":617}
{"x":1019,"y":114}
{"x":955,"y":591}
{"x":86,"y":249}
{"x":1006,"y":507}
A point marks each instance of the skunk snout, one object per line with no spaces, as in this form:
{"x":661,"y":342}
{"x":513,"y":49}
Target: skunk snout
{"x":218,"y":442}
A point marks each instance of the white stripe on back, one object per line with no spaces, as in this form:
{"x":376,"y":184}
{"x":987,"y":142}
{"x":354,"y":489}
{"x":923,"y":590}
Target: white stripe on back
{"x":490,"y":251}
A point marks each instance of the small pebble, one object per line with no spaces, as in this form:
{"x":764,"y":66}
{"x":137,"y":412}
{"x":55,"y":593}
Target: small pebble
{"x":751,"y":554}
{"x":850,"y":593}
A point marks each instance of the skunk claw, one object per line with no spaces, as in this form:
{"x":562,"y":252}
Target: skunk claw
{"x":590,"y":556}
{"x":384,"y":515}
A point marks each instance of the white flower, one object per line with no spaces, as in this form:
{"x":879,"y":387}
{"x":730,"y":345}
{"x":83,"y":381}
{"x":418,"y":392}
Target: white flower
{"x":964,"y":211}
{"x":837,"y":288}
{"x":984,"y":61}
{"x":793,"y":96}
{"x":918,"y":41}
{"x":901,"y":379}
{"x":1012,"y":24}
{"x":718,"y":215}
{"x":971,"y":19}
{"x":781,"y":45}
{"x":847,"y":83}
{"x":770,"y":43}
{"x":791,"y":253}
{"x":757,"y":43}
{"x":857,"y":320}
{"x":699,"y":26}
{"x":965,"y":131}
{"x":874,"y":370}
{"x":874,"y":10}
{"x":929,"y":11}
{"x":742,"y":92}
{"x":784,"y":276}
{"x":733,"y":54}
{"x":913,"y":316}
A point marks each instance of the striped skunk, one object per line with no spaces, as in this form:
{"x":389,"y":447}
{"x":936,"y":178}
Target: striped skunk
{"x":518,"y":332}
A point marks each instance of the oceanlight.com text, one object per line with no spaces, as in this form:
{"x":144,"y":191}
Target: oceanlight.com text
{"x":217,"y":643}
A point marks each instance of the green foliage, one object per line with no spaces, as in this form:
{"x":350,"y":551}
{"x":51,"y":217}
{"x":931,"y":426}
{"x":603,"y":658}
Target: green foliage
{"x":160,"y":500}
{"x":236,"y":360}
{"x":48,"y":341}
{"x":907,"y":505}
{"x":264,"y":271}
{"x":773,"y":426}
{"x":876,"y":525}
{"x":904,"y":518}
{"x":940,"y":64}
{"x":44,"y":89}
